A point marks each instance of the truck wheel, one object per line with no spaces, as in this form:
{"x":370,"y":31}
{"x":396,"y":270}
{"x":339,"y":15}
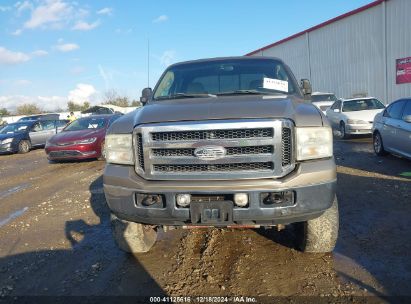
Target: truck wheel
{"x":24,"y":146}
{"x":378,"y":145}
{"x":320,"y":234}
{"x":133,"y":237}
{"x":343,"y":134}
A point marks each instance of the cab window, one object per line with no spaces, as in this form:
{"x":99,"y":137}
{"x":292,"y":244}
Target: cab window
{"x":36,"y":127}
{"x":48,"y":125}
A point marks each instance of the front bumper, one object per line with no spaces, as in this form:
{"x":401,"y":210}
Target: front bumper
{"x":71,"y":152}
{"x":313,"y":184}
{"x":6,"y":148}
{"x":358,"y":128}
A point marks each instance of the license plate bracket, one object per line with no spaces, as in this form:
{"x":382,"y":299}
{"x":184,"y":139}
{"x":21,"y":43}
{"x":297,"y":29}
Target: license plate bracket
{"x":216,"y":213}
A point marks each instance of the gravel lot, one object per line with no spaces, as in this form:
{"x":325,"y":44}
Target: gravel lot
{"x":55,"y":239}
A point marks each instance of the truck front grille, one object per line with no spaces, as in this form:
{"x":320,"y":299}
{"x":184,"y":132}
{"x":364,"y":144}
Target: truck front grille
{"x":246,"y":149}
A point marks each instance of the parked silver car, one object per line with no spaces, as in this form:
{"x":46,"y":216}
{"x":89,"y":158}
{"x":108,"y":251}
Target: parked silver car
{"x":392,"y":129}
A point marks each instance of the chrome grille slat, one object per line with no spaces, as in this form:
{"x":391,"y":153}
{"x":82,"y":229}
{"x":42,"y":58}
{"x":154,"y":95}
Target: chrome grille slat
{"x":212,"y":134}
{"x":140,"y":154}
{"x":226,"y":159}
{"x":266,"y":166}
{"x":254,"y":148}
{"x":286,"y":146}
{"x":176,"y":152}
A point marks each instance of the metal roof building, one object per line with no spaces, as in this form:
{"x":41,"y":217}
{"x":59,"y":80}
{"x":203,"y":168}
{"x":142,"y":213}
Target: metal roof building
{"x":365,"y":52}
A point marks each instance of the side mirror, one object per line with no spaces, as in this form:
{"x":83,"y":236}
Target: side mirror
{"x":306,"y":87}
{"x":146,"y":95}
{"x":336,"y":110}
{"x":407,"y":118}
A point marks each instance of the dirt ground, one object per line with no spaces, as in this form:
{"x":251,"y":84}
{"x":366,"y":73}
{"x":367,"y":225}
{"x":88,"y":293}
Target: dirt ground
{"x":55,"y":240}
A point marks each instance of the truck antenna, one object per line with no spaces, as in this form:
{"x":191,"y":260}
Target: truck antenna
{"x":148,"y":62}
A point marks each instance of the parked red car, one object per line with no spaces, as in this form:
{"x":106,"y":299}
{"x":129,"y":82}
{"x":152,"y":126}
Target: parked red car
{"x":83,"y":138}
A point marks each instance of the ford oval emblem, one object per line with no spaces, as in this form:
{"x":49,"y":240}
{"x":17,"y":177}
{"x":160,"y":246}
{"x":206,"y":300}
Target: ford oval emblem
{"x":210,"y":152}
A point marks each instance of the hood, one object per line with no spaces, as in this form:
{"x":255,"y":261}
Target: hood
{"x":11,"y":135}
{"x":218,"y":108}
{"x":70,"y":136}
{"x":367,"y":115}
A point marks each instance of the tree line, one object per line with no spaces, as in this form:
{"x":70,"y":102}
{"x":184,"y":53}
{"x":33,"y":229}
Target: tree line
{"x":109,"y":97}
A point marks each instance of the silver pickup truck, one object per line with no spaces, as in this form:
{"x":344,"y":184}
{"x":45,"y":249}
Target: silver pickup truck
{"x":224,"y":142}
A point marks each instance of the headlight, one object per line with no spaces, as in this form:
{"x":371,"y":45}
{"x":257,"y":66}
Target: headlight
{"x":119,"y":149}
{"x":86,"y":141}
{"x":313,"y":143}
{"x":6,"y":141}
{"x":356,"y":122}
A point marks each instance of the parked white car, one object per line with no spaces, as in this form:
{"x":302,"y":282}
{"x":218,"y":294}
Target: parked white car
{"x":392,"y":129}
{"x":323,"y":100}
{"x":354,"y":116}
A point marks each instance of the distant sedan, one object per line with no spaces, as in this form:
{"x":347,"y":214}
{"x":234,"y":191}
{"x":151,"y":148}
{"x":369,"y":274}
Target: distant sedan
{"x":82,"y":139}
{"x":21,"y":136}
{"x":354,"y":116}
{"x":392,"y":129}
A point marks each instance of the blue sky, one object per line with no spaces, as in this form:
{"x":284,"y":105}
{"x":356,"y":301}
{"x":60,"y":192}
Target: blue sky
{"x":55,"y":50}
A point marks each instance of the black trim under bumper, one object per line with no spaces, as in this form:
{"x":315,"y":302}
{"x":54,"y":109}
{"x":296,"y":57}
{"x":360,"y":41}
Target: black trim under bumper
{"x":309,"y":202}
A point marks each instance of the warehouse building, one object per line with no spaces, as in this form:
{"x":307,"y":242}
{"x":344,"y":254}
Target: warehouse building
{"x":365,"y":52}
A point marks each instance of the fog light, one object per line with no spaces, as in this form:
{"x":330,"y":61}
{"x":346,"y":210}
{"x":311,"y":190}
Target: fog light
{"x":183,"y":200}
{"x":151,"y":200}
{"x":241,"y":199}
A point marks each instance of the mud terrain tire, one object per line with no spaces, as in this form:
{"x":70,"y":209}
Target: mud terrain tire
{"x":133,"y":237}
{"x":320,"y":234}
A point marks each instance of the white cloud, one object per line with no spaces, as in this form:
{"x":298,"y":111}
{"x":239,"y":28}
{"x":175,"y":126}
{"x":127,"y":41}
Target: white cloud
{"x":168,"y":57}
{"x":83,"y":92}
{"x":48,"y":103}
{"x":84,"y":26}
{"x":40,"y":53}
{"x":17,"y":32}
{"x":105,"y":11}
{"x":66,"y":47}
{"x":50,"y":13}
{"x":22,"y":6}
{"x":11,"y":57}
{"x":161,"y":18}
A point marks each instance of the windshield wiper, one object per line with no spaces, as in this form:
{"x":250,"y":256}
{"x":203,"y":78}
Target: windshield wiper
{"x":250,"y":92}
{"x":185,"y":95}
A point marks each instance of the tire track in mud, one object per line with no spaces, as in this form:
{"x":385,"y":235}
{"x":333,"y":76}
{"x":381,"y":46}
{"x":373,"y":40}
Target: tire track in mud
{"x":205,"y":264}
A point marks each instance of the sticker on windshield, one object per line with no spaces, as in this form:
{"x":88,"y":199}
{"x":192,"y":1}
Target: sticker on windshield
{"x":275,"y":84}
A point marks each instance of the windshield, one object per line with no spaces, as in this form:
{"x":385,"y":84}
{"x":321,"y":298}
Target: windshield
{"x":360,"y":105}
{"x":86,"y":123}
{"x":14,"y":128}
{"x":225,"y":77}
{"x":323,"y":97}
